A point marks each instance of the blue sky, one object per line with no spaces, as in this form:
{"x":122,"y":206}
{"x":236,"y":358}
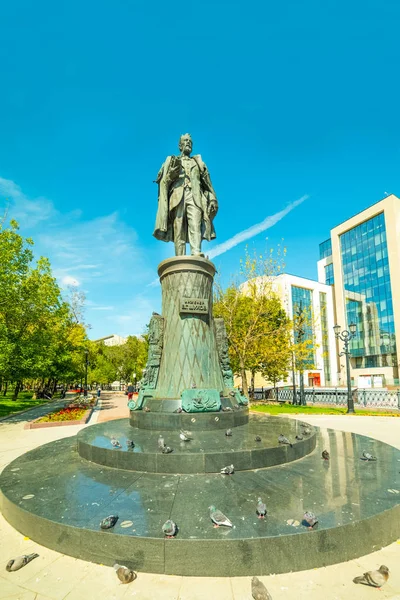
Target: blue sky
{"x":282,"y":100}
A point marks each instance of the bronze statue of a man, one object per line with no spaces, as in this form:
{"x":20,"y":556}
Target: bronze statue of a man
{"x":187,"y":203}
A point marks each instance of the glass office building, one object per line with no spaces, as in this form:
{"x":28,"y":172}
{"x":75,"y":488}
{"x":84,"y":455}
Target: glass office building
{"x":368,"y":296}
{"x":361,"y":261}
{"x":303,"y":317}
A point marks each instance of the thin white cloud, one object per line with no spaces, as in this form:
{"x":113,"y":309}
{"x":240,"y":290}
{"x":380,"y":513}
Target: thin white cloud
{"x":68,"y":280}
{"x":27,"y":212}
{"x":101,"y":308}
{"x":254,"y":230}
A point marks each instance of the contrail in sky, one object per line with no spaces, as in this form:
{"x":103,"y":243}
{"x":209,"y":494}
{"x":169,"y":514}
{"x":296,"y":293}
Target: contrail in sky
{"x":254,"y":229}
{"x":246,"y":234}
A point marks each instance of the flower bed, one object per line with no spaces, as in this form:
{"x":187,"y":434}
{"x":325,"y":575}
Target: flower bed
{"x":66,"y":414}
{"x":77,"y":412}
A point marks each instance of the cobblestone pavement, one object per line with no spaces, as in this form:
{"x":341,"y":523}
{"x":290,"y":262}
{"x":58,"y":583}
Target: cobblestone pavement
{"x":58,"y":577}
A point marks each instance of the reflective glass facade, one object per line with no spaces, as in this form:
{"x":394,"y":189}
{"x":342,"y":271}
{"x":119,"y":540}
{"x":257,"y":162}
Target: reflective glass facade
{"x":329,"y":279}
{"x":325,"y":336}
{"x":368,"y":296}
{"x":302,"y":301}
{"x":325,"y":249}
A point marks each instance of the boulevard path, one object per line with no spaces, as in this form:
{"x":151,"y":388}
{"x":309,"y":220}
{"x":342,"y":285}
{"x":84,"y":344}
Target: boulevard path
{"x":54,"y":576}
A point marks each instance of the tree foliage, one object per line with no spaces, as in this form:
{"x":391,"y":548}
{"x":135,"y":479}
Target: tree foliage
{"x":257,"y":326}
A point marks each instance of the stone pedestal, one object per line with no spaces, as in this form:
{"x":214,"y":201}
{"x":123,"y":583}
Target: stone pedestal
{"x":190,"y":354}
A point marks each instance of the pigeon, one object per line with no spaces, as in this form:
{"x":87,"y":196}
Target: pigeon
{"x":109,"y":522}
{"x":368,"y":456}
{"x":167,"y":450}
{"x":283,"y":440}
{"x":306,"y":431}
{"x":169,"y":528}
{"x":130,"y":444}
{"x":374,"y":578}
{"x":237,"y":407}
{"x":218,"y":518}
{"x":227,"y":409}
{"x":311,"y":519}
{"x":325,"y":455}
{"x":257,"y":438}
{"x":161,"y":442}
{"x":229,"y":470}
{"x":124,"y":574}
{"x":259,"y":591}
{"x":146,"y":409}
{"x":115,"y":443}
{"x":232,"y":393}
{"x":299,"y":437}
{"x":178,"y":410}
{"x":228,"y":432}
{"x":17,"y":563}
{"x":185,"y":436}
{"x":261,"y":509}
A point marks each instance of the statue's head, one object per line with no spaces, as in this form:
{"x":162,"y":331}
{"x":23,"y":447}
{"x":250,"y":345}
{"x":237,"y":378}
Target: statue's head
{"x":185,"y":143}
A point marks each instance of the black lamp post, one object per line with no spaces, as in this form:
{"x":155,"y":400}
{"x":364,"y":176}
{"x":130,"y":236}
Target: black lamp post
{"x":86,"y":370}
{"x":345,"y":336}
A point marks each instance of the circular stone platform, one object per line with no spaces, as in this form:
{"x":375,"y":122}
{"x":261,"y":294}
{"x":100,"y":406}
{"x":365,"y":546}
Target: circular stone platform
{"x":208,"y":452}
{"x":57,"y":498}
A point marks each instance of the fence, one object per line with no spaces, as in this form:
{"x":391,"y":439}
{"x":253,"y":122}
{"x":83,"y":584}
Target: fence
{"x":337,"y":396}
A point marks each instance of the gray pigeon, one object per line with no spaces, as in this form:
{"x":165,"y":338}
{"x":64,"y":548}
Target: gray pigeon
{"x":283,"y":440}
{"x":146,"y":409}
{"x":261,"y":509}
{"x":306,"y":431}
{"x":227,"y":409}
{"x":228,"y":432}
{"x":167,"y":450}
{"x":178,"y":410}
{"x":257,"y":438}
{"x":115,"y":443}
{"x":368,"y":456}
{"x":185,"y":436}
{"x":374,"y":578}
{"x":229,"y":470}
{"x":130,"y":444}
{"x":169,"y":528}
{"x":299,"y":437}
{"x":125,"y":575}
{"x":325,"y":455}
{"x":259,"y":591}
{"x":218,"y":517}
{"x":310,"y":519}
{"x":109,"y":522}
{"x":161,"y":442}
{"x":17,"y":563}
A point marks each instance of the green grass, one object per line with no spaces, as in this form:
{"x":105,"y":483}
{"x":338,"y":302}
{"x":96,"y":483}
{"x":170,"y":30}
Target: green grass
{"x":8,"y":406}
{"x":275,"y":409}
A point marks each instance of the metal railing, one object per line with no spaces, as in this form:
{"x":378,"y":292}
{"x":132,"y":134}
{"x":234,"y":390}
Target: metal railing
{"x":334,"y":397}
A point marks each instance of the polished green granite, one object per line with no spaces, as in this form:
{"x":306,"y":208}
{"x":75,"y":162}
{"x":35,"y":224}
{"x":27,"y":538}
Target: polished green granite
{"x":58,"y":498}
{"x":207,"y":452}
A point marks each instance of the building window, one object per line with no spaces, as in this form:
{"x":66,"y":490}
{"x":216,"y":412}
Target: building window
{"x":367,"y":290}
{"x":329,"y":280}
{"x":302,"y":305}
{"x":325,"y":249}
{"x":325,"y":337}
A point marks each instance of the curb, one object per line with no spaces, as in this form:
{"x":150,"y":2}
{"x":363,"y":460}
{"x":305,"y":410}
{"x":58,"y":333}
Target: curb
{"x":36,"y":425}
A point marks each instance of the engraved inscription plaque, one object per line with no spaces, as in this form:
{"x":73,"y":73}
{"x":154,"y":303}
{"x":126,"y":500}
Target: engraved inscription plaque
{"x":197,"y":306}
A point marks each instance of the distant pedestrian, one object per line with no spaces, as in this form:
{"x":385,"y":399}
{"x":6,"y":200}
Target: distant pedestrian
{"x":131,"y":389}
{"x":98,"y":391}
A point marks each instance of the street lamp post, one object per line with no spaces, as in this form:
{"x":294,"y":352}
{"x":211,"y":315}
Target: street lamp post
{"x":86,"y":370}
{"x":134,"y":380}
{"x":345,"y":336}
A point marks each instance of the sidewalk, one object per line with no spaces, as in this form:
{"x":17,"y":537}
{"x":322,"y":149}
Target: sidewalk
{"x":113,"y":406}
{"x":54,"y":576}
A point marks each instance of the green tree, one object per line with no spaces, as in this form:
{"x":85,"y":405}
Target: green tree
{"x":255,"y":320}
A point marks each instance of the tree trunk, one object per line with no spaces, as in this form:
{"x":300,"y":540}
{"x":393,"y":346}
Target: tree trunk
{"x":244,"y":379}
{"x":16,"y":391}
{"x":253,"y":373}
{"x":5,"y":388}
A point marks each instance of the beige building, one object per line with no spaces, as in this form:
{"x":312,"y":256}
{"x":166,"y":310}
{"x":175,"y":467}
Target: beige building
{"x":361,"y":261}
